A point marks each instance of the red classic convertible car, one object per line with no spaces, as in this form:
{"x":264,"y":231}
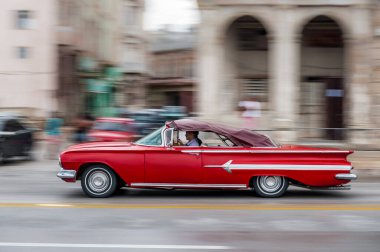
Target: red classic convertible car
{"x":228,"y":158}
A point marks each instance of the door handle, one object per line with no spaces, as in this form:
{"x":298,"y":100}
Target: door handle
{"x":193,"y":153}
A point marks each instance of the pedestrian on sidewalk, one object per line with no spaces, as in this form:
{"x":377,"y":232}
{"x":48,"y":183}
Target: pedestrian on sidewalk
{"x":53,"y":135}
{"x":83,"y":124}
{"x":250,"y":112}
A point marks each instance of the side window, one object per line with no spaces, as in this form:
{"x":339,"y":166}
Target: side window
{"x":17,"y":126}
{"x":213,"y":140}
{"x":208,"y":139}
{"x":9,"y":126}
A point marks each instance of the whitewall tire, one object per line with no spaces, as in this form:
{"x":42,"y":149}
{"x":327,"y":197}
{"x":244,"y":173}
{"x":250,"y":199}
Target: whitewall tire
{"x":99,"y":181}
{"x":270,"y":186}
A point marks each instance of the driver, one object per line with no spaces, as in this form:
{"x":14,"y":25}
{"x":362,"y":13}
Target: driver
{"x":192,"y":138}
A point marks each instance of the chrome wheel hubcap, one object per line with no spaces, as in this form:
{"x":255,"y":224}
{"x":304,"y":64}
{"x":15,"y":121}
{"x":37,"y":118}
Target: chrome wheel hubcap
{"x":99,"y":181}
{"x":270,"y":184}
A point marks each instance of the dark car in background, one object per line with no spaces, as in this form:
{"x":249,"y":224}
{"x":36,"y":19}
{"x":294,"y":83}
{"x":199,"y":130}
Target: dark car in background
{"x":146,"y":121}
{"x":112,"y":129}
{"x":15,"y":138}
{"x":171,"y":113}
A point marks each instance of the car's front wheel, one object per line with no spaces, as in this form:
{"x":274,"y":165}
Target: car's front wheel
{"x":270,"y":186}
{"x":99,"y":181}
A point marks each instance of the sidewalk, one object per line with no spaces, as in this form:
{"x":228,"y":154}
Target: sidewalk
{"x":366,"y":164}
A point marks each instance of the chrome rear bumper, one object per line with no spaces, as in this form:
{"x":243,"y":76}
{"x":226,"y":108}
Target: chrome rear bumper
{"x":66,"y":174}
{"x":346,"y":176}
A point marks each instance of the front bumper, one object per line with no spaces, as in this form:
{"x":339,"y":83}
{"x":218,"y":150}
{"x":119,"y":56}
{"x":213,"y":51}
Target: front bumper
{"x":66,"y":174}
{"x":346,"y":176}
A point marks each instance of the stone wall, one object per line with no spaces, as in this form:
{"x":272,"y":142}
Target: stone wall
{"x":284,"y":22}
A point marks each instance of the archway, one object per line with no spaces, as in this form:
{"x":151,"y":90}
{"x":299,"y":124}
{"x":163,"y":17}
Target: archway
{"x":246,"y":62}
{"x":322,"y":79}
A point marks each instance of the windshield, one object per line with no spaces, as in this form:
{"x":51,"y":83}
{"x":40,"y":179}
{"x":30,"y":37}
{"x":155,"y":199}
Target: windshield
{"x":153,"y":138}
{"x":111,"y":126}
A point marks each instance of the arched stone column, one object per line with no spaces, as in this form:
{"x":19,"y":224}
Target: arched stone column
{"x":210,"y":55}
{"x":216,"y":76}
{"x":285,"y":46}
{"x":355,"y":25}
{"x":359,"y":74}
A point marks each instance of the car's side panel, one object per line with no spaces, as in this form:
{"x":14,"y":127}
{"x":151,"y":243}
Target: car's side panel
{"x":238,"y":165}
{"x":171,"y":165}
{"x":218,"y":175}
{"x":128,"y":164}
{"x":8,"y":145}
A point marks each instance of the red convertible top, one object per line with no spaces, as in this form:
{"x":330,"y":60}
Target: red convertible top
{"x":240,"y":137}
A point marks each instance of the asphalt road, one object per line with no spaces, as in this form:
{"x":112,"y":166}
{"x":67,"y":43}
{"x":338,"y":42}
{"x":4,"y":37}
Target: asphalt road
{"x":39,"y":212}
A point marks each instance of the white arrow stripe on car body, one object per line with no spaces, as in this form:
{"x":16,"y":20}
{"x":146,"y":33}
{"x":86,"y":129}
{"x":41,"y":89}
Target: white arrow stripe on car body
{"x":296,"y":167}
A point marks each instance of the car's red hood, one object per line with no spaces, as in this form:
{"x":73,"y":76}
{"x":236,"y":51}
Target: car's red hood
{"x":92,"y":145}
{"x":109,"y":135}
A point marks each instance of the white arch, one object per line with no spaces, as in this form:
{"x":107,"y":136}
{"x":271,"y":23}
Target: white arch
{"x":231,"y":18}
{"x":336,"y":16}
{"x":261,"y":17}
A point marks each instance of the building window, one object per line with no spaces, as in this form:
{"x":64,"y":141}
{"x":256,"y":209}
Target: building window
{"x":257,"y":87}
{"x":23,"y":52}
{"x":24,"y":19}
{"x":130,"y":13}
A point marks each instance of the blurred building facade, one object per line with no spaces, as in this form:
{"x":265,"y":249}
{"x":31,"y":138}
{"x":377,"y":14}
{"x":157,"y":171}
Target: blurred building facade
{"x":71,"y":56}
{"x":101,"y":55}
{"x":313,"y":65}
{"x":132,"y":93}
{"x":172,"y":60}
{"x":27,"y":65}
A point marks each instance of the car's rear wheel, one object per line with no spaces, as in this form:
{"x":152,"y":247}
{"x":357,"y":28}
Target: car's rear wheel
{"x":270,"y":186}
{"x":99,"y":181}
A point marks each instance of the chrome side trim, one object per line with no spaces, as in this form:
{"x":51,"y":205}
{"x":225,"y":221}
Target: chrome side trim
{"x":188,"y":185}
{"x":66,"y":174}
{"x":228,"y":166}
{"x":292,"y":167}
{"x":300,"y":151}
{"x":216,"y":151}
{"x":264,"y":151}
{"x":346,"y":176}
{"x":225,"y":166}
{"x":339,"y":187}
